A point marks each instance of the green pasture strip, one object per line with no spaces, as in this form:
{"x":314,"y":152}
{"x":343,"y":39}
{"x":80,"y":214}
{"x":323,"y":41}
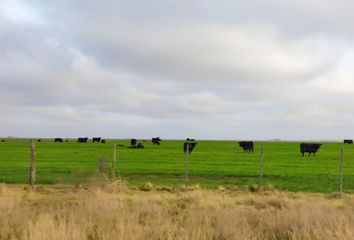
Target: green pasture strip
{"x":212,"y":164}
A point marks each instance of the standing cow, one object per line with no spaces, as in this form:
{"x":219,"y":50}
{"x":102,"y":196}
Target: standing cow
{"x":247,"y":146}
{"x":156,"y":140}
{"x":348,"y":141}
{"x":58,"y":140}
{"x":188,"y":147}
{"x":133,"y":142}
{"x":309,"y":148}
{"x":82,"y":140}
{"x":96,"y":139}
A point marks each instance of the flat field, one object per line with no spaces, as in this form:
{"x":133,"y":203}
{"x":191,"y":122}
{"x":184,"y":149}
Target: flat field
{"x":212,"y":164}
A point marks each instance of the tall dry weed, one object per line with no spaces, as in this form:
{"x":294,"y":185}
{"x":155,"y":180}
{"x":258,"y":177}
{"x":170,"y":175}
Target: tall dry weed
{"x":113,"y":211}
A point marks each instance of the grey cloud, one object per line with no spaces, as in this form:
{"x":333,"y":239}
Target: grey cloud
{"x":211,"y":70}
{"x":203,"y":52}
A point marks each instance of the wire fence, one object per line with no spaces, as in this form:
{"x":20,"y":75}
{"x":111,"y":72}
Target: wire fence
{"x":211,"y":164}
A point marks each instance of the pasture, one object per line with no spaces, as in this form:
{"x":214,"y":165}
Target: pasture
{"x":212,"y":164}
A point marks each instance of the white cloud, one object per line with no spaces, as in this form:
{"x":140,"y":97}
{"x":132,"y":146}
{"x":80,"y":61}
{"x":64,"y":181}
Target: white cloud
{"x":339,"y":79}
{"x":204,"y":52}
{"x":169,"y":70}
{"x":20,"y":12}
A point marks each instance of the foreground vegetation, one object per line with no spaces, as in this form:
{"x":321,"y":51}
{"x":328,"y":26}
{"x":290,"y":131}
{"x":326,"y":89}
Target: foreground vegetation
{"x":115,"y":211}
{"x":212,"y":164}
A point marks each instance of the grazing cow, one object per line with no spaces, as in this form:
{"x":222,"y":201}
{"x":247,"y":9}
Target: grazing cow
{"x":188,"y":147}
{"x":133,"y":142}
{"x":139,"y":145}
{"x":96,"y":139}
{"x":58,"y":140}
{"x":103,"y":141}
{"x":348,"y":141}
{"x":310,"y":148}
{"x":82,"y":140}
{"x":156,"y":141}
{"x":247,"y":146}
{"x":2,"y":140}
{"x":39,"y":140}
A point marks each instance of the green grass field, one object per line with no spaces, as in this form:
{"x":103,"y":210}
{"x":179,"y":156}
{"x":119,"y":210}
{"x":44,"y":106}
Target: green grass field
{"x":212,"y":164}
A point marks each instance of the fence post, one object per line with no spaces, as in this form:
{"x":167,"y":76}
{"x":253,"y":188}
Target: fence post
{"x":114,"y":161}
{"x":341,"y":170}
{"x":186,"y":165}
{"x":261,"y":166}
{"x":32,"y":168}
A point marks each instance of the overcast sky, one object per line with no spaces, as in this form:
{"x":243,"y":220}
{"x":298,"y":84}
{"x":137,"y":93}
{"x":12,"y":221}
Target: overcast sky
{"x":226,"y":69}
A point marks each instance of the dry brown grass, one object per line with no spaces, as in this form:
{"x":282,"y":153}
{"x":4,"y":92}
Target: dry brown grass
{"x":113,"y":211}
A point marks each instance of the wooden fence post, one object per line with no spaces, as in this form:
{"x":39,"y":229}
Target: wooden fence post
{"x":186,"y":165}
{"x":114,"y":161}
{"x":261,"y":166}
{"x":341,"y":170}
{"x":32,"y":168}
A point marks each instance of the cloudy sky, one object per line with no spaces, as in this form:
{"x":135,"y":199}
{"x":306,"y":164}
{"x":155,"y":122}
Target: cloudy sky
{"x":226,"y":69}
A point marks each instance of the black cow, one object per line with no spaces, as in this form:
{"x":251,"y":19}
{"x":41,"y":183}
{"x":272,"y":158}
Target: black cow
{"x":247,"y":146}
{"x":348,"y":141}
{"x":188,"y":147}
{"x":82,"y":140}
{"x":310,"y":148}
{"x":96,"y":139}
{"x":139,"y":145}
{"x":39,"y":140}
{"x":133,"y":142}
{"x":190,"y":139}
{"x":156,"y":141}
{"x":58,"y":140}
{"x":103,"y":141}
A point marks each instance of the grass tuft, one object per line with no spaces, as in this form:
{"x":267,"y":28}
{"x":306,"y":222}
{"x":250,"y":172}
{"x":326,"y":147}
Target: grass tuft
{"x":112,"y":210}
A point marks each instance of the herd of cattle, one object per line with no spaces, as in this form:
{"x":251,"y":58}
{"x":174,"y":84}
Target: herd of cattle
{"x":83,"y":140}
{"x":309,"y":148}
{"x":133,"y":142}
{"x":190,"y":144}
